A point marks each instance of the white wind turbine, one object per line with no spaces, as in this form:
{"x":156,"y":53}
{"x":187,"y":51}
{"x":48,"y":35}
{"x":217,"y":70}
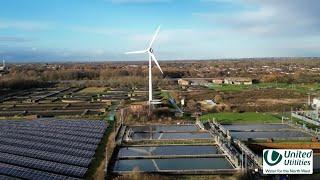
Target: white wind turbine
{"x":149,"y":51}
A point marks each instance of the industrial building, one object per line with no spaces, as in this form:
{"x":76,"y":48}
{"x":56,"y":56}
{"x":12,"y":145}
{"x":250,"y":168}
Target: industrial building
{"x":218,"y":81}
{"x":3,"y":68}
{"x":183,"y":82}
{"x":238,"y":81}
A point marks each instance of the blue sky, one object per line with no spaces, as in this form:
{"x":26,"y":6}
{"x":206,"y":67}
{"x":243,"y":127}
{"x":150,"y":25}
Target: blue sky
{"x":101,"y":30}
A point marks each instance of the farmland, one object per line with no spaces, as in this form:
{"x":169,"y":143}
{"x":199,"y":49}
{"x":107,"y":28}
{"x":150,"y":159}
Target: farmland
{"x":92,"y":90}
{"x":246,"y":117}
{"x":301,"y":88}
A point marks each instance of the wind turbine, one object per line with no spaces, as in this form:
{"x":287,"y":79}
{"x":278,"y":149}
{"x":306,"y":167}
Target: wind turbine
{"x":151,"y":55}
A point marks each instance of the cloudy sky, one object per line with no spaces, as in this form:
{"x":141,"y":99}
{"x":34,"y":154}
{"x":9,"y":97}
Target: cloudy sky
{"x":101,"y":30}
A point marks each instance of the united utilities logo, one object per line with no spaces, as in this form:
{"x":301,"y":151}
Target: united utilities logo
{"x":287,"y":161}
{"x":272,"y":157}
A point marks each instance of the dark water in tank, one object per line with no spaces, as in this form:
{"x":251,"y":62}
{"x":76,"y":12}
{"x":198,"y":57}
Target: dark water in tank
{"x":253,"y":131}
{"x":173,"y":164}
{"x":168,"y":150}
{"x":182,"y":135}
{"x":157,"y":128}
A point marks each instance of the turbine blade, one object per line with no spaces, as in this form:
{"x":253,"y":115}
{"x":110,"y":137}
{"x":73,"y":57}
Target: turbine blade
{"x":154,"y":37}
{"x":136,"y":52}
{"x":155,"y":60}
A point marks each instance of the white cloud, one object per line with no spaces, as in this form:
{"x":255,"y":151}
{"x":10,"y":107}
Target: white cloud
{"x":184,"y":43}
{"x":106,"y":31}
{"x":247,"y":28}
{"x":269,"y":17}
{"x":13,"y":39}
{"x":25,"y":25}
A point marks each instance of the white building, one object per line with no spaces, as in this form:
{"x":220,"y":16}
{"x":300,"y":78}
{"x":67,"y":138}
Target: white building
{"x":310,"y":116}
{"x":316,"y":103}
{"x":3,"y":67}
{"x":238,"y":80}
{"x":207,"y":105}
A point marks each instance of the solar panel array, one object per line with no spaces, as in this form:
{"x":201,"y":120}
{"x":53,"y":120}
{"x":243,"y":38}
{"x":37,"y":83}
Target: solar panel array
{"x":48,"y":148}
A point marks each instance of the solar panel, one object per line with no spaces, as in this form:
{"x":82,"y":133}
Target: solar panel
{"x":69,"y":131}
{"x":13,"y":172}
{"x":53,"y":135}
{"x":45,"y":123}
{"x":43,"y":165}
{"x":3,"y":177}
{"x":44,"y":155}
{"x":48,"y":148}
{"x":52,"y":140}
{"x":56,"y":123}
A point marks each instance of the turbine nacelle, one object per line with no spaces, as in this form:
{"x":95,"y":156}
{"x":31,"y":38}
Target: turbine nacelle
{"x":149,"y":50}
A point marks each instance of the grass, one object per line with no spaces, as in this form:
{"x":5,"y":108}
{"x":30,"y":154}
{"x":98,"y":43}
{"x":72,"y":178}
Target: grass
{"x":92,"y":90}
{"x":301,"y":88}
{"x":165,"y":94}
{"x":100,"y":153}
{"x":246,"y":117}
{"x":228,"y":87}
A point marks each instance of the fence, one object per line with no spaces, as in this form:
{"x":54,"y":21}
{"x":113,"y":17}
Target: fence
{"x":304,"y":118}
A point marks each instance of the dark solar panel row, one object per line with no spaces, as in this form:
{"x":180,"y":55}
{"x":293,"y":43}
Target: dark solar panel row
{"x":76,"y":132}
{"x":47,"y":147}
{"x":13,"y":172}
{"x":76,"y":123}
{"x":59,"y":123}
{"x":64,"y":122}
{"x":43,"y":165}
{"x":3,"y":177}
{"x":51,"y":123}
{"x":62,"y":158}
{"x":77,"y":129}
{"x":85,"y":123}
{"x":48,"y":140}
{"x":54,"y":135}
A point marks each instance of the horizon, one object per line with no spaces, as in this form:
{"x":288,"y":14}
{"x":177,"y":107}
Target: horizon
{"x":102,"y":30}
{"x":163,"y":60}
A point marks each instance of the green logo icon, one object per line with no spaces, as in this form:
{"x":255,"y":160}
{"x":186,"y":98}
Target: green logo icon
{"x":272,"y":157}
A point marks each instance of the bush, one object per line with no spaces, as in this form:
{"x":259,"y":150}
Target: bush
{"x":23,"y":84}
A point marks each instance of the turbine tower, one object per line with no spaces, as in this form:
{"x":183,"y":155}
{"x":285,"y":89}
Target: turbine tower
{"x":151,"y":55}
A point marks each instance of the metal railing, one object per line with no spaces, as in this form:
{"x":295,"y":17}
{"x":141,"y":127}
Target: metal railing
{"x":224,"y":140}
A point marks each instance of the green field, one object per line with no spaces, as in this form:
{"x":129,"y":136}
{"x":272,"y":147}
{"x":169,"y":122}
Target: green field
{"x":165,"y":94}
{"x":92,"y":90}
{"x":302,"y":88}
{"x":246,"y":117}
